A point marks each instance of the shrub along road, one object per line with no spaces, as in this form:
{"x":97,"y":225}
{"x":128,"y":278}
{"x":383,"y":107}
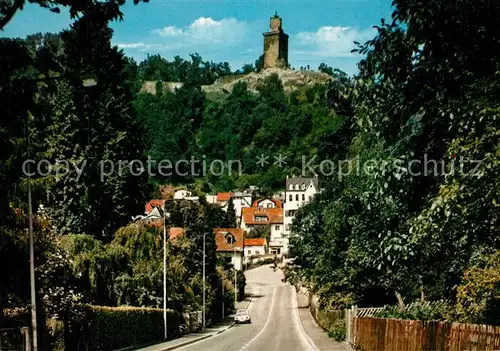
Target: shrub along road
{"x":275,"y":324}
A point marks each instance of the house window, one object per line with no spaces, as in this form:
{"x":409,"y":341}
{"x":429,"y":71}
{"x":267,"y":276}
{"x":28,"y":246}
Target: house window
{"x":310,"y":198}
{"x":242,"y":201}
{"x":291,"y":186}
{"x":269,"y":205}
{"x":303,"y":186}
{"x":296,"y":197}
{"x":276,"y":227}
{"x":257,"y":252}
{"x":249,"y":252}
{"x":303,"y":197}
{"x":260,"y":218}
{"x":290,"y":197}
{"x":230,"y":239}
{"x":296,"y":187}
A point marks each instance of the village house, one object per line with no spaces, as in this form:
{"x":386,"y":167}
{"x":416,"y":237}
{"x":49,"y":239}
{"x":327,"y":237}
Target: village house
{"x":298,"y":192}
{"x":276,"y":237}
{"x":230,"y":245}
{"x":240,"y":200}
{"x":255,"y":246}
{"x":183,"y":194}
{"x":266,"y":215}
{"x":153,"y":213}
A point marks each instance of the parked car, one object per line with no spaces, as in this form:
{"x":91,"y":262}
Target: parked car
{"x":242,"y":316}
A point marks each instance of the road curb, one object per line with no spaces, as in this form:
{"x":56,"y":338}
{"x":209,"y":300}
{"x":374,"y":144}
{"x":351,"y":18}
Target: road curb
{"x":309,"y":340}
{"x":189,"y":342}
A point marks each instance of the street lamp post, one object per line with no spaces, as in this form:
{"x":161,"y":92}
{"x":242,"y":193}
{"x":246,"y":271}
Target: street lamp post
{"x":204,"y":306}
{"x":222,"y":279}
{"x":32,"y":264}
{"x":87,"y":83}
{"x":164,"y":273}
{"x":235,"y":286}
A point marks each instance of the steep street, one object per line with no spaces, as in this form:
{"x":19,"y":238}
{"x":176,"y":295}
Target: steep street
{"x":275,"y":319}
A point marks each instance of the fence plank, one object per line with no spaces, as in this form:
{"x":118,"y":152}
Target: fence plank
{"x":372,"y":333}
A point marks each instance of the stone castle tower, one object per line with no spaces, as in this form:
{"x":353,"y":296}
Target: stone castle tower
{"x":275,"y":45}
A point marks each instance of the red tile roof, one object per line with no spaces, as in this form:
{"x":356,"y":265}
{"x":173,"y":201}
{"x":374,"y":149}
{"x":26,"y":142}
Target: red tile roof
{"x":152,"y":204}
{"x":273,"y":215}
{"x":157,"y":223}
{"x":223,"y":196}
{"x":255,"y":242}
{"x":221,"y":241}
{"x":277,"y":203}
{"x":176,"y":232}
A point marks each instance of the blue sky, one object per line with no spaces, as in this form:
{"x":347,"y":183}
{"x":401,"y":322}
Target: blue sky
{"x":230,"y":30}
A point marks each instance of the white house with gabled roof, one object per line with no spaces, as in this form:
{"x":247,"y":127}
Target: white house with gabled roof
{"x":298,"y":192}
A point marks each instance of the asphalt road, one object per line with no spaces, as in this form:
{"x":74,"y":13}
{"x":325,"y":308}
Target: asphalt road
{"x":275,"y":320}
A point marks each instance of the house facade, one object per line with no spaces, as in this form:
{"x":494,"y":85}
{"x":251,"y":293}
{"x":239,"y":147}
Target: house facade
{"x":185,"y":195}
{"x":230,"y":245}
{"x":266,"y":215}
{"x":298,"y":192}
{"x":241,"y":200}
{"x":276,"y":235}
{"x":255,"y":246}
{"x":153,"y":214}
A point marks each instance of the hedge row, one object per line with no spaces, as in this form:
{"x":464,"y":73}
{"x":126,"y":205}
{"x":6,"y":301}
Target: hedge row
{"x":106,"y":328}
{"x":113,"y":328}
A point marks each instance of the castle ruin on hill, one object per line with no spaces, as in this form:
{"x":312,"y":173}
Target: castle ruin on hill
{"x":275,"y":62}
{"x":276,"y":45}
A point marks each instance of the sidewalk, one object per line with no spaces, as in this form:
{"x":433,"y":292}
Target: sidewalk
{"x":194,"y":337}
{"x":318,"y":335}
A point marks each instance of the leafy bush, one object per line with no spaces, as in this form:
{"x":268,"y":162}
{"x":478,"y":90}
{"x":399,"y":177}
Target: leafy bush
{"x":338,"y":330}
{"x":436,"y":311}
{"x":55,"y":331}
{"x":112,"y":328}
{"x":478,"y":298}
{"x":14,"y":317}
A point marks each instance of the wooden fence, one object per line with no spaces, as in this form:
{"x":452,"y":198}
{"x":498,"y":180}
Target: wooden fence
{"x":368,"y":333}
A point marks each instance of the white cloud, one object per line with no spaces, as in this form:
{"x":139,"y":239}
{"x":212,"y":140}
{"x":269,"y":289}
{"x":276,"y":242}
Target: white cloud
{"x":332,"y":41}
{"x":142,"y":46}
{"x":206,"y":30}
{"x":131,"y":45}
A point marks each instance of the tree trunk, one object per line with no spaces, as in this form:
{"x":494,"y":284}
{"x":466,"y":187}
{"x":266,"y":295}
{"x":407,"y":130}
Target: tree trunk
{"x":401,"y":303}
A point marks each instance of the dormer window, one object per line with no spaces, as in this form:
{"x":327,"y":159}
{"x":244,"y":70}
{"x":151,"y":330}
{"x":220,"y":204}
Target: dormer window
{"x":260,"y":218}
{"x":291,"y":187}
{"x":303,"y":186}
{"x":230,"y":239}
{"x":296,"y":187}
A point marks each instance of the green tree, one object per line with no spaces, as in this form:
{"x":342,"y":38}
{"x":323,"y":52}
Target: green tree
{"x":231,"y":213}
{"x":259,"y":63}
